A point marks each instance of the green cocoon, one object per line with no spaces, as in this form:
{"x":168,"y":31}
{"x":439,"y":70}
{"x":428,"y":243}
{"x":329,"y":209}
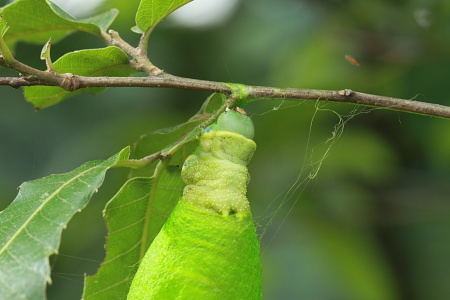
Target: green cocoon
{"x":236,"y":122}
{"x":216,"y":174}
{"x":208,"y":248}
{"x":201,"y":255}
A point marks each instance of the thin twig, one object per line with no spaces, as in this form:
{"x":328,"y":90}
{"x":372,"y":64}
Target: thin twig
{"x":141,"y":61}
{"x":139,"y":163}
{"x":169,"y":151}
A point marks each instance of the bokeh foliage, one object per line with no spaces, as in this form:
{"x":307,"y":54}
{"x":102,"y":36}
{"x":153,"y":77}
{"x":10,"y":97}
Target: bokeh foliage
{"x":377,"y":215}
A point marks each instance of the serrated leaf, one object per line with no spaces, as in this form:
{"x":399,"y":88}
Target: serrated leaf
{"x":109,"y":61}
{"x":166,"y":138}
{"x":35,"y":21}
{"x":157,"y":140}
{"x":151,"y":12}
{"x":134,"y":217}
{"x":31,"y":226}
{"x":210,"y":105}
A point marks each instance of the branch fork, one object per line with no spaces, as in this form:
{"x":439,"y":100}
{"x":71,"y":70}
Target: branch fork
{"x":159,"y":78}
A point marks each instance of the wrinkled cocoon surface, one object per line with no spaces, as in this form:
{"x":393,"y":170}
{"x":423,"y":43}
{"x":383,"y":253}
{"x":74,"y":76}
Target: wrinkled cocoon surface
{"x":208,"y":248}
{"x":201,"y":255}
{"x":216,"y":174}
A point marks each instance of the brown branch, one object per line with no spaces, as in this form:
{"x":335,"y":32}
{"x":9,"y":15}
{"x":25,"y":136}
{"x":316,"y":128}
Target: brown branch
{"x":349,"y":96}
{"x":141,"y":61}
{"x":32,"y":76}
{"x":158,"y":78}
{"x":255,"y":93}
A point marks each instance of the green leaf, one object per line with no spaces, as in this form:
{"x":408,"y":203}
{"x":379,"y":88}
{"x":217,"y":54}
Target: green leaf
{"x":3,"y":26}
{"x":35,"y":21}
{"x":4,"y":50}
{"x":151,"y":12}
{"x":134,"y":217}
{"x":31,"y":226}
{"x":137,"y":30}
{"x":109,"y":61}
{"x":103,"y":20}
{"x":168,"y":138}
{"x":45,"y":55}
{"x":155,"y":141}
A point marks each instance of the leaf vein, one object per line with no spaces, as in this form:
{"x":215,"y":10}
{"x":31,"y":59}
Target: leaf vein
{"x":123,"y":253}
{"x":39,"y":208}
{"x":15,"y":291}
{"x":111,"y":286}
{"x":127,"y":227}
{"x":48,"y":246}
{"x":25,"y":265}
{"x":129,"y":203}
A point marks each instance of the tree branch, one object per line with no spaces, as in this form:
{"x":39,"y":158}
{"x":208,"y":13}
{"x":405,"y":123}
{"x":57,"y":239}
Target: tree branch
{"x":349,"y":96}
{"x":255,"y":93}
{"x":141,"y":61}
{"x":158,"y":78}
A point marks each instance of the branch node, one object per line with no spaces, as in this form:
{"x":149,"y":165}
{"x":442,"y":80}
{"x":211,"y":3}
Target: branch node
{"x":15,"y":83}
{"x":155,"y":71}
{"x":70,"y":82}
{"x":346,"y":92}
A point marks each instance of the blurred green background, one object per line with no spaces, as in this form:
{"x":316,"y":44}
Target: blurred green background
{"x":374,"y":223}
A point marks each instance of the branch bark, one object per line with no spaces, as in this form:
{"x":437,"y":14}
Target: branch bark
{"x":158,"y":78}
{"x":255,"y":93}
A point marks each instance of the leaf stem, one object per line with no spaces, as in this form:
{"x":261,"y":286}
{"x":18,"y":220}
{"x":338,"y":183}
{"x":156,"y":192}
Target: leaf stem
{"x":139,"y":163}
{"x":169,"y":151}
{"x":143,"y":42}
